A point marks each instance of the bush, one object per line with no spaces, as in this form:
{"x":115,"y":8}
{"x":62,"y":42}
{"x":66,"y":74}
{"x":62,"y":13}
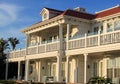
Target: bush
{"x":99,"y":80}
{"x":7,"y":82}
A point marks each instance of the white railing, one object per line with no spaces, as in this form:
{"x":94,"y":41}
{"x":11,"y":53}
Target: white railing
{"x":17,"y":53}
{"x":48,"y":47}
{"x":82,"y":42}
{"x":52,"y":46}
{"x":94,"y":40}
{"x":77,"y":43}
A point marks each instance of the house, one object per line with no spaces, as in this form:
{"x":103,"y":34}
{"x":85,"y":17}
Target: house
{"x":70,"y":46}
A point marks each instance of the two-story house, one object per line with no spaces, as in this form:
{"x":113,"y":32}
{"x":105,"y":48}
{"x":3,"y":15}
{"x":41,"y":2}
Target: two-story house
{"x":70,"y":46}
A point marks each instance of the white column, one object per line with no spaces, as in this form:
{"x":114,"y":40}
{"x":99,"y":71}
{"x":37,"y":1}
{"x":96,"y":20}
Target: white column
{"x":37,"y":48}
{"x":85,"y":40}
{"x":61,"y":36}
{"x":105,"y":27}
{"x":99,"y":37}
{"x":26,"y":70}
{"x":67,"y":69}
{"x":60,"y":54}
{"x":59,"y":66}
{"x":18,"y":70}
{"x":77,"y":69}
{"x":39,"y":70}
{"x":85,"y":68}
{"x":68,"y":35}
{"x":28,"y":40}
{"x":40,"y":40}
{"x":6,"y":71}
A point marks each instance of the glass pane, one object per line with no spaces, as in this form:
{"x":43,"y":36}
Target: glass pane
{"x":117,"y":25}
{"x":109,"y":27}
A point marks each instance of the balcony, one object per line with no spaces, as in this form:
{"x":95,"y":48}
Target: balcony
{"x":37,"y":49}
{"x":94,"y":40}
{"x":78,"y":42}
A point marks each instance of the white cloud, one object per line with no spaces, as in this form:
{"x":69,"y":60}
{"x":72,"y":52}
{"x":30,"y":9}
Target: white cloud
{"x":8,"y":13}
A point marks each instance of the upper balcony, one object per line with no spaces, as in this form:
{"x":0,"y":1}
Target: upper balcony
{"x":78,"y":42}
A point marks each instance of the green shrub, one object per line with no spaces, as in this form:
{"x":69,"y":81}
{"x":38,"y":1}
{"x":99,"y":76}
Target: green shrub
{"x":7,"y":82}
{"x":99,"y":80}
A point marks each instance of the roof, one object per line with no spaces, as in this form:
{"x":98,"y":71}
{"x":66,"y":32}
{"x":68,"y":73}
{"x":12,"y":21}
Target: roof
{"x":108,"y":12}
{"x":50,"y":9}
{"x":85,"y":15}
{"x":78,"y":14}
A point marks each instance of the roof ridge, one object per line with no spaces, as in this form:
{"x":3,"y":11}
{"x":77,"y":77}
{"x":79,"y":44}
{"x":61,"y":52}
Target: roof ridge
{"x":107,"y":9}
{"x":79,"y":12}
{"x":53,"y":9}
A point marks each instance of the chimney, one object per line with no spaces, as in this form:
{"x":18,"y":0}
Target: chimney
{"x":79,"y":9}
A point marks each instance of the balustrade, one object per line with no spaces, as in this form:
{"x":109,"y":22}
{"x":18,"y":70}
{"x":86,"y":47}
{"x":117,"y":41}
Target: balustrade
{"x":82,"y":42}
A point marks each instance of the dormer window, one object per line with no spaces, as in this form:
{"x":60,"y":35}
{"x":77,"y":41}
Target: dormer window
{"x":45,"y":16}
{"x":48,"y":13}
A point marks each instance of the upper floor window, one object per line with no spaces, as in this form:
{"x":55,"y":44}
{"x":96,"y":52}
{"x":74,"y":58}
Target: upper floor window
{"x":101,"y":30}
{"x":50,"y":39}
{"x":117,"y":25}
{"x":45,"y":16}
{"x":96,"y":29}
{"x":109,"y":27}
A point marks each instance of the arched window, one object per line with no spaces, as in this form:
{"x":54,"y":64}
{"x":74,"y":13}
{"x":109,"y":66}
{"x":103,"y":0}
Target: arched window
{"x":45,"y":16}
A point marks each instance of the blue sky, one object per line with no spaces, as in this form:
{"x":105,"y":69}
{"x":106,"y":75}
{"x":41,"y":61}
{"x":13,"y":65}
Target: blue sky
{"x":19,"y":14}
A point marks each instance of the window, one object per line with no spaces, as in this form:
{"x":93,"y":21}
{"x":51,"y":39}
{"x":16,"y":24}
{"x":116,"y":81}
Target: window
{"x":96,"y":29}
{"x":63,"y":71}
{"x":101,"y":69}
{"x":113,"y":68}
{"x":50,"y":39}
{"x":117,"y":25}
{"x":43,"y":40}
{"x":53,"y":70}
{"x":49,"y":70}
{"x":95,"y":69}
{"x":109,"y":27}
{"x":55,"y":37}
{"x":30,"y":69}
{"x":45,"y":16}
{"x":109,"y":68}
{"x":101,"y":29}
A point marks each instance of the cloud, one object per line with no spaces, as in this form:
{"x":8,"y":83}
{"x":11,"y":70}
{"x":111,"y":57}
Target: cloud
{"x":8,"y":13}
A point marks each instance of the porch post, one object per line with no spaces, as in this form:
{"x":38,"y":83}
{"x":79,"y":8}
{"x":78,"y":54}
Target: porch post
{"x":59,"y":63}
{"x":6,"y":71}
{"x":19,"y":70}
{"x":85,"y":68}
{"x":26,"y":70}
{"x":60,"y":53}
{"x":39,"y":70}
{"x":60,"y":37}
{"x":68,"y":35}
{"x":67,"y":69}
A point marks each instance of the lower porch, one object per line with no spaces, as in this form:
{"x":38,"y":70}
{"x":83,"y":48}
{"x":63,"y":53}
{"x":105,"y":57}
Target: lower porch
{"x":72,"y":69}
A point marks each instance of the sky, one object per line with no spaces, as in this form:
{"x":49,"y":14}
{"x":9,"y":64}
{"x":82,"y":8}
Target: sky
{"x":16,"y":15}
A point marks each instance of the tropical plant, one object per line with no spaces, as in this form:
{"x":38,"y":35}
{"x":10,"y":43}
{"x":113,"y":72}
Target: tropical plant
{"x":99,"y":80}
{"x":3,"y":46}
{"x":13,"y":41}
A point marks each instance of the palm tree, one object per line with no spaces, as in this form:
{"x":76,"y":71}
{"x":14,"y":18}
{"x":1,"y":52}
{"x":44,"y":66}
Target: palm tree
{"x":13,"y":41}
{"x":3,"y":46}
